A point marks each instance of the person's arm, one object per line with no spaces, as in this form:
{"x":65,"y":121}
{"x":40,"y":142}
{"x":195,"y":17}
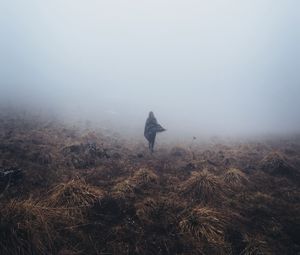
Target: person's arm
{"x":146,"y":127}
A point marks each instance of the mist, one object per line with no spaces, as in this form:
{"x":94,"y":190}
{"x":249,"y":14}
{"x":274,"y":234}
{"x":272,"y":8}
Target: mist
{"x":203,"y":67}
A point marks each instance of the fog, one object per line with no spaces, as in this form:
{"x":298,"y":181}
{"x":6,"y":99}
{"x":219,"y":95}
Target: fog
{"x":203,"y":67}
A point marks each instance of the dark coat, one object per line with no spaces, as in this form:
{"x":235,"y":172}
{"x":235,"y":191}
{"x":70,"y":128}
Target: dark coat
{"x":151,"y":128}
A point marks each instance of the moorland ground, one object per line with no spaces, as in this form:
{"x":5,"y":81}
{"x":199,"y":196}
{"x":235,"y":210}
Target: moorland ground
{"x":82,"y":191}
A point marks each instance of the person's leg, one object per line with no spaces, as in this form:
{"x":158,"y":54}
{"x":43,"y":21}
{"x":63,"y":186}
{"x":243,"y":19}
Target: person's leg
{"x":153,"y":142}
{"x":151,"y":147}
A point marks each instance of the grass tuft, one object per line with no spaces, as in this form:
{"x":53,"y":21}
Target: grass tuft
{"x":203,"y":187}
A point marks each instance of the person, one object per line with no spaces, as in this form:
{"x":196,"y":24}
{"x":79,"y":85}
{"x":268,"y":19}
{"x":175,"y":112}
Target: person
{"x":151,"y":128}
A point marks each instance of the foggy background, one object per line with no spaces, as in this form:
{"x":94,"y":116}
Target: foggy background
{"x":203,"y":67}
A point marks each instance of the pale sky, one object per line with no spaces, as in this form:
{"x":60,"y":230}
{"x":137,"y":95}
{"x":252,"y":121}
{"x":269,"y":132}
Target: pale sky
{"x":202,"y":66}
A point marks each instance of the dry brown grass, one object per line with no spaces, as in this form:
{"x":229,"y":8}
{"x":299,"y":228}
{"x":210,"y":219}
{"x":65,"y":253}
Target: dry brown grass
{"x":179,"y":151}
{"x":124,"y":189}
{"x":235,"y":178}
{"x":256,"y":246}
{"x":73,"y":199}
{"x":205,"y":224}
{"x":203,"y":187}
{"x":276,"y":164}
{"x":158,"y":211}
{"x":147,"y":204}
{"x":144,"y":178}
{"x":26,"y":228}
{"x":150,"y":210}
{"x":75,"y":193}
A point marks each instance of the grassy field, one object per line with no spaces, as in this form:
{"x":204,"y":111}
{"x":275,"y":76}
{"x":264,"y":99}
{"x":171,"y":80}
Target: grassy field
{"x":83,"y":191}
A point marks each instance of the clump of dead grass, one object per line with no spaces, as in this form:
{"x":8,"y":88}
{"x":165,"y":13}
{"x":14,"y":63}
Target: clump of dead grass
{"x":26,"y":228}
{"x":235,"y":178}
{"x":75,"y":193}
{"x":160,"y":211}
{"x":124,"y":189}
{"x":276,"y":164}
{"x":256,"y":246}
{"x":204,"y":187}
{"x":205,"y":224}
{"x":74,"y":198}
{"x":144,"y":178}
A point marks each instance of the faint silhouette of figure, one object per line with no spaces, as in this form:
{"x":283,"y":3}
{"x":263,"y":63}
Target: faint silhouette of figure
{"x":151,"y":128}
